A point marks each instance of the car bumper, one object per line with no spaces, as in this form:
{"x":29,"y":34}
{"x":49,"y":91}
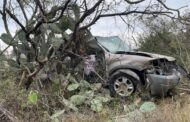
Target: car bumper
{"x":160,"y":84}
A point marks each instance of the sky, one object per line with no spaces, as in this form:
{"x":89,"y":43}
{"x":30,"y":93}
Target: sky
{"x":114,"y":26}
{"x":108,"y":26}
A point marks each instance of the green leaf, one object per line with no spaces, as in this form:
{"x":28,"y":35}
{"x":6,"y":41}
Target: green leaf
{"x":69,"y":105}
{"x":55,"y":28}
{"x":24,"y":49}
{"x":103,"y":99}
{"x":96,"y":105}
{"x":57,"y":114}
{"x":22,"y":36}
{"x":65,"y":23}
{"x":55,"y":120}
{"x":50,"y":36}
{"x":13,"y":63}
{"x":96,"y":86}
{"x":33,"y":97}
{"x":73,"y":87}
{"x":72,"y":79}
{"x":76,"y":10}
{"x":77,"y":99}
{"x":52,"y":12}
{"x":56,"y":41}
{"x":89,"y":94}
{"x":129,"y":108}
{"x":147,"y":107}
{"x":7,"y":39}
{"x":84,"y":84}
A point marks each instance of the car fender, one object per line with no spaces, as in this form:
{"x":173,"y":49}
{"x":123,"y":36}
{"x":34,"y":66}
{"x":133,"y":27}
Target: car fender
{"x":127,"y":71}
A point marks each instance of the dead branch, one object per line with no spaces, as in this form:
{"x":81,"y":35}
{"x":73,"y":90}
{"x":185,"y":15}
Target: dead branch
{"x":4,"y":17}
{"x":41,"y":8}
{"x":37,"y":69}
{"x":85,"y":5}
{"x":16,"y":20}
{"x":82,"y":18}
{"x":134,"y":2}
{"x":22,"y":9}
{"x":124,"y":14}
{"x":168,"y":8}
{"x":34,"y":12}
{"x":8,"y":114}
{"x":63,"y":8}
{"x":184,"y":89}
{"x":1,"y":12}
{"x":86,"y":13}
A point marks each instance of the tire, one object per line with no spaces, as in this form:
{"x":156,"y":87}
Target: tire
{"x":122,"y":85}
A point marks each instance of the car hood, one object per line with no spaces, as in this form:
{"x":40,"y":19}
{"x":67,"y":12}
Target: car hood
{"x":156,"y":56}
{"x":146,"y":55}
{"x":135,"y":60}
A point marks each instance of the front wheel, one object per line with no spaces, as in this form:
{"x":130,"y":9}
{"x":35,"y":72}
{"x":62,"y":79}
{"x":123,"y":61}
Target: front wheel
{"x":122,"y":85}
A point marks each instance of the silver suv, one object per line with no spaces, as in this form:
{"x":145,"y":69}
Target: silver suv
{"x":129,"y":71}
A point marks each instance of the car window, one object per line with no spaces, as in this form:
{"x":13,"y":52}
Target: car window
{"x":113,"y":44}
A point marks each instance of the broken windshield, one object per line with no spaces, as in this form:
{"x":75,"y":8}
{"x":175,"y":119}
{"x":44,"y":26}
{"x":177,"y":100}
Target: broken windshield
{"x":113,"y":44}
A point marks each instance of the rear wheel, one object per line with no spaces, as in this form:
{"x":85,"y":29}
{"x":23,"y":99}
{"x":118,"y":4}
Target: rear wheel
{"x":122,"y":85}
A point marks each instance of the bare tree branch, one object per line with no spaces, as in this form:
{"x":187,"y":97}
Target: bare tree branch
{"x":16,"y":20}
{"x":163,"y":4}
{"x":41,"y":8}
{"x":50,"y":21}
{"x":134,"y":2}
{"x":62,"y":11}
{"x":4,"y":17}
{"x":85,"y":5}
{"x":1,"y":12}
{"x":123,"y":14}
{"x":23,"y":11}
{"x":86,"y":13}
{"x":34,"y":12}
{"x":137,"y":12}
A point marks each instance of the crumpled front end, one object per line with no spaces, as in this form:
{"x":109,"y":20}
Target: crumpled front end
{"x":162,"y":77}
{"x":161,"y":84}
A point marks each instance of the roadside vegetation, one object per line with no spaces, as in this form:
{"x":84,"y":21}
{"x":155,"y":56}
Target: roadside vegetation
{"x":42,"y":79}
{"x":167,"y":37}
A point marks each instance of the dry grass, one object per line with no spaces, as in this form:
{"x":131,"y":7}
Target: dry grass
{"x":89,"y":116}
{"x":171,"y":110}
{"x":168,"y":110}
{"x":175,"y":109}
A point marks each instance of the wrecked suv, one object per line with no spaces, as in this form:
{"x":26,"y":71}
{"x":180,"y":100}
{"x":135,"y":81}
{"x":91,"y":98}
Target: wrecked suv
{"x":129,"y":71}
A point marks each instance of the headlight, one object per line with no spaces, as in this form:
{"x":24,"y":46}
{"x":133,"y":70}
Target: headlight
{"x":157,"y":71}
{"x":151,"y":70}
